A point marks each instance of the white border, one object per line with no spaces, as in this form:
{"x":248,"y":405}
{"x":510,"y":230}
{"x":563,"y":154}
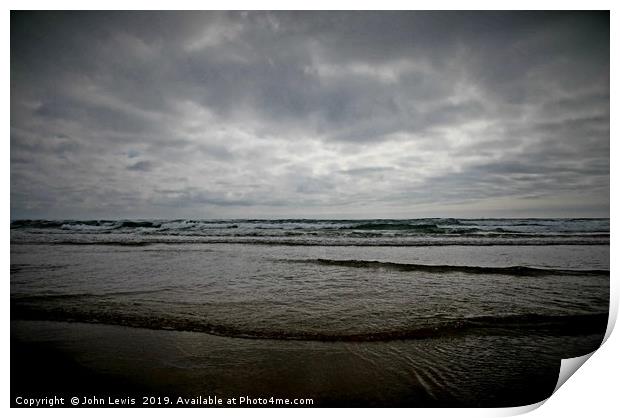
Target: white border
{"x":592,"y":391}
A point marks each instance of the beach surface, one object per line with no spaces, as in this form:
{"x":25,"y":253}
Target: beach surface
{"x":86,"y":360}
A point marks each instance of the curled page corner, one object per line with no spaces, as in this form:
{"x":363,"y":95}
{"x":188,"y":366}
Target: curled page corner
{"x":611,"y":322}
{"x":518,"y":410}
{"x":568,"y":367}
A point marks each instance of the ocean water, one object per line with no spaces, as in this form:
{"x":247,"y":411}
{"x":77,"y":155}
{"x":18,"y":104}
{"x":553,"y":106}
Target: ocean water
{"x":420,"y":303}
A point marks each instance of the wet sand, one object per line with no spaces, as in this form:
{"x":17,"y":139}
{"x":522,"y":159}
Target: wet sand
{"x":74,"y":359}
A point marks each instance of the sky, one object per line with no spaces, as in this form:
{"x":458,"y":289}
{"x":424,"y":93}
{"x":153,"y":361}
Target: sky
{"x":309,"y":114}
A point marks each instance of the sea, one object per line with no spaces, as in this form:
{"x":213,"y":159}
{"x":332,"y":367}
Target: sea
{"x":373,"y":312}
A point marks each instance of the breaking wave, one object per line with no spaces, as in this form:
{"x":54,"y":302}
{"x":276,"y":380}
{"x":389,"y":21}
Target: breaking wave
{"x":378,"y":232}
{"x":430,"y":268}
{"x":381,"y":226}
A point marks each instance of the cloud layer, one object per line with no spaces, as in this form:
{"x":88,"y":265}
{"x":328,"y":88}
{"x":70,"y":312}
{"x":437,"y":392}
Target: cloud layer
{"x":309,"y":114}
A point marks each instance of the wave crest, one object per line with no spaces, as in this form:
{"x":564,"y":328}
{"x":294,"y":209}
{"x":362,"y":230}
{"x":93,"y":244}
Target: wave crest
{"x":434,"y":268}
{"x":583,"y":324}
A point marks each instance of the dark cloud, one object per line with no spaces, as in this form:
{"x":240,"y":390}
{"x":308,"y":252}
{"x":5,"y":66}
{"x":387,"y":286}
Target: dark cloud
{"x":309,"y":114}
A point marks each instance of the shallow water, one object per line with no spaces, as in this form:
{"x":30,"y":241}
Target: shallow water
{"x":283,"y":293}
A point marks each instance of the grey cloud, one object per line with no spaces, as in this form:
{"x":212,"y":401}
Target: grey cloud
{"x":141,"y":166}
{"x":366,"y":170}
{"x":256,"y":113}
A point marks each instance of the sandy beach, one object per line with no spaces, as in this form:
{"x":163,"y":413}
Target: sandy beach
{"x":101,"y":361}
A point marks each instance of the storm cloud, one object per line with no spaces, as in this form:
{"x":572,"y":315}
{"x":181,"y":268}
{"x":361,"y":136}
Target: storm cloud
{"x":309,"y":114}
